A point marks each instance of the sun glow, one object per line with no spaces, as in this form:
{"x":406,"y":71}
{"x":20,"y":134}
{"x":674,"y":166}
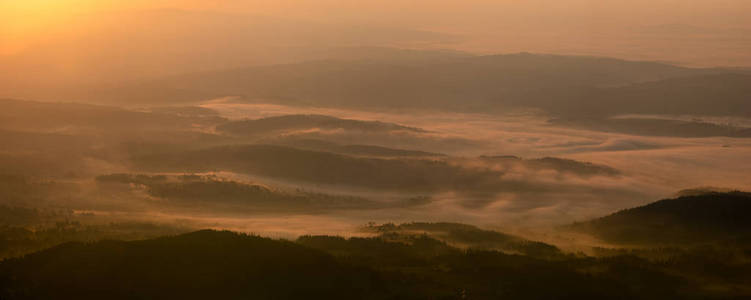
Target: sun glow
{"x":23,"y":22}
{"x":22,"y":15}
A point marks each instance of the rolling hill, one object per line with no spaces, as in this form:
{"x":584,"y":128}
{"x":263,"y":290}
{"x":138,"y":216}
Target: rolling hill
{"x":700,"y":218}
{"x":426,"y":174}
{"x":291,"y":123}
{"x":226,"y":265}
{"x":725,"y":94}
{"x":468,"y":237}
{"x":198,"y":265}
{"x":562,"y":86}
{"x":466,"y":83}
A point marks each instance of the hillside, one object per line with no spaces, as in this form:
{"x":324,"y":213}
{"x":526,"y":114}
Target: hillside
{"x":404,"y":173}
{"x":466,"y":83}
{"x":714,"y":94}
{"x":291,"y":123}
{"x":571,"y":86}
{"x":313,"y":166}
{"x":211,"y":194}
{"x":33,"y":115}
{"x":198,"y":265}
{"x":698,"y":218}
{"x":654,"y":127}
{"x":225,"y":265}
{"x":467,"y":236}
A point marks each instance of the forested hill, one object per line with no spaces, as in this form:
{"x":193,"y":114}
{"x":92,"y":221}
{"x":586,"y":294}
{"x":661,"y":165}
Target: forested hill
{"x":199,"y":265}
{"x":225,"y":265}
{"x":688,"y":219}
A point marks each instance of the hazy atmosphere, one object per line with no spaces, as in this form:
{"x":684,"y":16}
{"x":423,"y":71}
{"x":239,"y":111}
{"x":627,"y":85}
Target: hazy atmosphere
{"x":601,"y":148}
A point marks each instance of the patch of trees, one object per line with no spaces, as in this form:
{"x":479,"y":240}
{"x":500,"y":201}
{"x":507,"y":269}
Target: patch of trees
{"x":287,"y":123}
{"x":701,"y":218}
{"x":210,"y":264}
{"x":211,"y":192}
{"x":468,"y":236}
{"x":326,"y":168}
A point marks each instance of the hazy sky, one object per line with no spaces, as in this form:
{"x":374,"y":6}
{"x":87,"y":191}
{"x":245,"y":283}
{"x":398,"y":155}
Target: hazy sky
{"x":24,"y":21}
{"x":63,"y":42}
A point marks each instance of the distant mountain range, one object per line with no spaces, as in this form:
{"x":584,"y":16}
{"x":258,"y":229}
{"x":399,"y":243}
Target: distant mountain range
{"x":575,"y":91}
{"x":561,"y":85}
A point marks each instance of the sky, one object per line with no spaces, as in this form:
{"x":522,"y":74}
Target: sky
{"x":62,"y":43}
{"x":24,"y":21}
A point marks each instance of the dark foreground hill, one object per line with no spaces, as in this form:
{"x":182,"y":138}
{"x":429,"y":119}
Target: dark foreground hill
{"x":199,"y":265}
{"x":225,"y":265}
{"x":697,"y":218}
